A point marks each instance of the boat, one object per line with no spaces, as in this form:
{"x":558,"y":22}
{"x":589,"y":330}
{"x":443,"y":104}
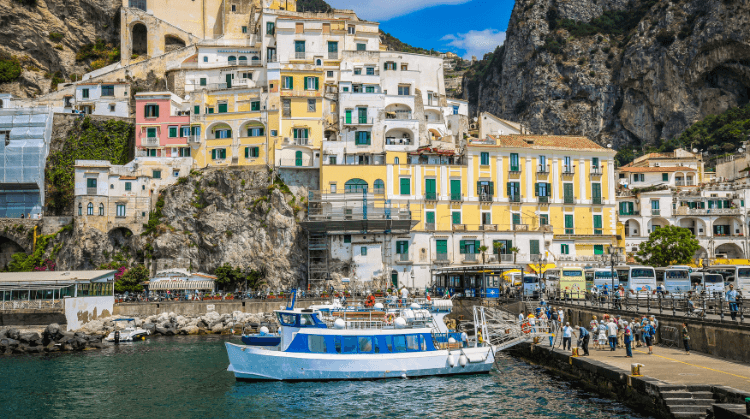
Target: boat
{"x":359,"y":345}
{"x":129,"y":333}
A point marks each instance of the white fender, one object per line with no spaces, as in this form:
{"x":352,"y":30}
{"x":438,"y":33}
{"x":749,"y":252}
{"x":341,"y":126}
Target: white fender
{"x":451,"y":360}
{"x":462,"y":360}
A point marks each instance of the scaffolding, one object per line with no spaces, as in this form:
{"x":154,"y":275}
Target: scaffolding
{"x":358,"y":212}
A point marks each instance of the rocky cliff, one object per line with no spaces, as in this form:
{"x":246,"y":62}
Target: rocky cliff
{"x":626,"y":72}
{"x":55,"y":41}
{"x":229,"y":215}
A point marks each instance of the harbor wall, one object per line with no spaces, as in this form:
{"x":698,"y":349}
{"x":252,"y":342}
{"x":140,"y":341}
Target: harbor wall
{"x":199,"y":308}
{"x":31,"y":317}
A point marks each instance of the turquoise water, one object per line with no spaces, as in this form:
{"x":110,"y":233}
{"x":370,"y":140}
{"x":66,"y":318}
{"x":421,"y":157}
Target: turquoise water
{"x":185,"y":377}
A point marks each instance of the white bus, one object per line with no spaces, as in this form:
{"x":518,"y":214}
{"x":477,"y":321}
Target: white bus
{"x":738,"y":275}
{"x":639,"y":279}
{"x":675,"y":280}
{"x":532,"y":286}
{"x":601,"y":279}
{"x":712,"y":283}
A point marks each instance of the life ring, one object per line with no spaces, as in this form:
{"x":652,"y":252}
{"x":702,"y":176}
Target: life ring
{"x":390,"y":317}
{"x":370,"y":301}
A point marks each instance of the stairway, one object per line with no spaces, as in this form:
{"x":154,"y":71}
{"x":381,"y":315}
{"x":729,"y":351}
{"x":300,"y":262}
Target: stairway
{"x":692,"y":401}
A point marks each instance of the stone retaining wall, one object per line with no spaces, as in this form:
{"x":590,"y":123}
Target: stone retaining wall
{"x":199,"y":308}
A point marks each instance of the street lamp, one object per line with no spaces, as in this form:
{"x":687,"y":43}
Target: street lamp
{"x":614,"y":256}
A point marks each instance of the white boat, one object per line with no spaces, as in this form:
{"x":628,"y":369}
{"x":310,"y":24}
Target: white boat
{"x":128,"y":333}
{"x":408,"y":342}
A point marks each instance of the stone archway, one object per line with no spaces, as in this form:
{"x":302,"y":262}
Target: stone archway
{"x":731,"y":250}
{"x":172,"y":43}
{"x":8,"y":248}
{"x":139,"y":39}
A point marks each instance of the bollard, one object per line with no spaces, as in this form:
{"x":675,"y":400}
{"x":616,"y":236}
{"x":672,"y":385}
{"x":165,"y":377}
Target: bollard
{"x":117,"y":337}
{"x":635,"y":370}
{"x":575,"y":352}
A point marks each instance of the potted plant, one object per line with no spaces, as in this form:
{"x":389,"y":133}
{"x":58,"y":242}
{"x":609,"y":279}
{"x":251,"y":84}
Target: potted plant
{"x":379,"y":293}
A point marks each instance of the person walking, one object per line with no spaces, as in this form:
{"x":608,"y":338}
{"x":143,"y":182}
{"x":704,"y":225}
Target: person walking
{"x":612,"y":334}
{"x":686,"y":337}
{"x":648,"y":331}
{"x":560,"y":315}
{"x":602,"y":335}
{"x":620,"y":331}
{"x":583,"y":337}
{"x":655,"y":325}
{"x":567,"y":335}
{"x":553,"y":318}
{"x":731,"y":298}
{"x":627,"y":334}
{"x":635,"y":327}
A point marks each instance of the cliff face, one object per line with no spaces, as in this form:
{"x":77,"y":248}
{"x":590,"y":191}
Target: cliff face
{"x":619,"y":71}
{"x":46,"y":37}
{"x":232,"y":215}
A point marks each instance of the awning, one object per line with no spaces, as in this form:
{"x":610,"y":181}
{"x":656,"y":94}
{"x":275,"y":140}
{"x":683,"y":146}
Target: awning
{"x":546,"y":267}
{"x":181,"y":285}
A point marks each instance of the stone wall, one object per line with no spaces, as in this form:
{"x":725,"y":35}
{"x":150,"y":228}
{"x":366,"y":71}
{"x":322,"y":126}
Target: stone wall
{"x":81,"y":310}
{"x":199,"y":308}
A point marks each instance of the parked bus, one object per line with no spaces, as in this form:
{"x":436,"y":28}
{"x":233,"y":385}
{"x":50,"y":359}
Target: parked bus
{"x":738,"y":275}
{"x":675,"y":280}
{"x":571,"y":280}
{"x":601,"y":279}
{"x":712,"y":283}
{"x":638,"y":279}
{"x":532,"y":286}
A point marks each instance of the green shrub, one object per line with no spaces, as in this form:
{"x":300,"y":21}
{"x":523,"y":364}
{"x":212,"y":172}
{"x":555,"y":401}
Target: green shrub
{"x":55,"y":36}
{"x":10,"y":68}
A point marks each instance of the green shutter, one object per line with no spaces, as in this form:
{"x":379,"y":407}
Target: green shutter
{"x":508,"y":189}
{"x":598,"y":249}
{"x":441,"y":246}
{"x":568,"y":192}
{"x":462,"y":247}
{"x":157,"y":110}
{"x":317,"y":83}
{"x":596,"y":190}
{"x":222,"y":108}
{"x":492,"y":188}
{"x":213,"y":154}
{"x":479,"y":188}
{"x":516,"y":219}
{"x":405,"y":186}
{"x":429,"y":186}
{"x":196,"y":110}
{"x":430,"y":217}
{"x":476,"y":246}
{"x":348,"y":116}
{"x":536,"y":189}
{"x":247,"y":152}
{"x":455,"y":187}
{"x":291,"y":82}
{"x":456,"y":217}
{"x":172,"y":132}
{"x":534,"y":245}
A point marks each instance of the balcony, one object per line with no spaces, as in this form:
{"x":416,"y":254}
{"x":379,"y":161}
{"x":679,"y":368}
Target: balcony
{"x":515,"y":198}
{"x":630,"y":213}
{"x":397,"y":141}
{"x":707,"y":211}
{"x":196,"y":139}
{"x":399,"y":115}
{"x":441,"y":258}
{"x":358,"y":121}
{"x":569,"y":199}
{"x":470,"y":258}
{"x":515,"y":170}
{"x":429,"y":226}
{"x":656,"y":212}
{"x":300,"y":55}
{"x":150,"y":142}
{"x":488,"y":227}
{"x":543,"y":199}
{"x":302,"y":141}
{"x":459,"y":227}
{"x":333,"y":55}
{"x":91,"y":191}
{"x":684,"y":183}
{"x":597,"y":200}
{"x":508,"y":258}
{"x":568,"y":171}
{"x":520,"y":227}
{"x":457,"y":197}
{"x":295,"y":163}
{"x":596,"y":171}
{"x":542,"y":169}
{"x":430,"y":196}
{"x":485,"y":197}
{"x":402,"y":257}
{"x":272,"y":59}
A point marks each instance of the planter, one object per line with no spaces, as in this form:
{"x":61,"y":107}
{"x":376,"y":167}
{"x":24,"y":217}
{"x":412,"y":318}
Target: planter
{"x":378,"y":294}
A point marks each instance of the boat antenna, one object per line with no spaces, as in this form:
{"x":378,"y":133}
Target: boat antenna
{"x":294,"y":299}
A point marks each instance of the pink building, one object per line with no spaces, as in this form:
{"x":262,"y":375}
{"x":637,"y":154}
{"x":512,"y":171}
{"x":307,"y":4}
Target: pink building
{"x":162,"y":125}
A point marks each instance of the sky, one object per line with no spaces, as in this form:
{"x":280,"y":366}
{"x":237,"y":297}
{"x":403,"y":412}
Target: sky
{"x":466,"y":27}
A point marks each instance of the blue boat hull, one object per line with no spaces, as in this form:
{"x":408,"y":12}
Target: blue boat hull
{"x":254,"y":340}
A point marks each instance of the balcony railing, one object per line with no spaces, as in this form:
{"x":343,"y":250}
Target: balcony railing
{"x":655,"y":211}
{"x":708,"y":211}
{"x":485,"y":197}
{"x":520,"y":227}
{"x":358,"y":121}
{"x":488,"y":227}
{"x":596,"y":171}
{"x":430,"y":196}
{"x":459,"y":227}
{"x":630,"y":213}
{"x":684,"y":183}
{"x":441,"y":257}
{"x":302,"y":141}
{"x":402,"y":257}
{"x":457,"y":197}
{"x":597,"y":200}
{"x":569,"y":199}
{"x":515,"y":169}
{"x":505,"y":258}
{"x":402,"y":115}
{"x":333,"y":55}
{"x":543,"y":199}
{"x":567,"y":171}
{"x":194,"y":139}
{"x":542,"y":168}
{"x":91,"y":191}
{"x":295,"y":163}
{"x":300,"y":55}
{"x":515,"y":198}
{"x":429,"y":226}
{"x":397,"y":141}
{"x":150,"y":141}
{"x":470,"y":257}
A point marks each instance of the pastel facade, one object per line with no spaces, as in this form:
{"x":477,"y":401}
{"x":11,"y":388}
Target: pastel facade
{"x":162,"y":125}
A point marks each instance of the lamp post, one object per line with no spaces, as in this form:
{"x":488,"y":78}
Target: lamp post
{"x":614,"y":255}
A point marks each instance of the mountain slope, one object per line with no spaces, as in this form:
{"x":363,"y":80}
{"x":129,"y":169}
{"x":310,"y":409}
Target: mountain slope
{"x":626,"y":72}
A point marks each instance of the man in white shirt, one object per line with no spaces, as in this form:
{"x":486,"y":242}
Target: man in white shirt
{"x":567,"y":334}
{"x":404,"y":294}
{"x":612,"y":334}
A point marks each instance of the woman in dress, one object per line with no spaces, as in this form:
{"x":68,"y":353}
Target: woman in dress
{"x":594,"y":330}
{"x":602,"y":338}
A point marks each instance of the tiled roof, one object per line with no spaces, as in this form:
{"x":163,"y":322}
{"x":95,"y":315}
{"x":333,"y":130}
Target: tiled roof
{"x":546,"y":142}
{"x":656,"y":169}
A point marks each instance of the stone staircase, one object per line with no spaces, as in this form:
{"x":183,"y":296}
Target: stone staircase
{"x":691,"y":401}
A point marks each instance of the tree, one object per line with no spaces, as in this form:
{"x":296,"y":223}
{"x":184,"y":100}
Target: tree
{"x":514,"y":251}
{"x":228,"y":277}
{"x":132,"y":279}
{"x":667,"y":246}
{"x":483,"y":249}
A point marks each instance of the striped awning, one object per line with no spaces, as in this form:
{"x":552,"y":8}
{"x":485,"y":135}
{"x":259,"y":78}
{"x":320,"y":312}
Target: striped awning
{"x":181,"y":285}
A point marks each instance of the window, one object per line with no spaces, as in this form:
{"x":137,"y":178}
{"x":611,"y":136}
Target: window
{"x":639,"y":177}
{"x":91,"y":183}
{"x":252,"y":152}
{"x":219,"y":154}
{"x":456,"y":217}
{"x":404,"y":90}
{"x":185,"y":131}
{"x":311,"y":105}
{"x":369,"y":89}
{"x":184,"y":151}
{"x":486,"y":218}
{"x":300,"y":134}
{"x":244,"y":28}
{"x":370,"y":71}
{"x":485,"y":158}
{"x":514,"y":191}
{"x":402,"y":247}
{"x":390,"y":66}
{"x":363,"y":138}
{"x":329,"y":73}
{"x":352,"y":29}
{"x":108,"y":90}
{"x":357,"y":71}
{"x":569,"y":229}
{"x":288,"y":83}
{"x":345,"y":89}
{"x":515,"y":165}
{"x":316,"y":344}
{"x":430,"y":217}
{"x":355,"y":186}
{"x":299,"y":49}
{"x":195,"y":130}
{"x":332,"y":162}
{"x":542,"y":163}
{"x":655,"y":204}
{"x":665,"y":177}
{"x":90,"y":209}
{"x":542,"y":189}
{"x":468,"y":247}
{"x":516,"y":219}
{"x":202,"y":81}
{"x":347,"y":238}
{"x":567,"y":165}
{"x":564,"y":249}
{"x":255,"y":105}
{"x":80,"y":209}
{"x":152,"y":111}
{"x":455,"y":110}
{"x":274,"y":133}
{"x":270,"y":28}
{"x":120,"y":210}
{"x":543,"y":219}
{"x":234,"y":7}
{"x":128,"y":186}
{"x":405,"y":186}
{"x":534,"y":247}
{"x":222,"y":133}
{"x":151,"y":132}
{"x":455,"y":189}
{"x":430,"y":189}
{"x":299,"y":27}
{"x":222,"y":107}
{"x":568,"y":196}
{"x":361,"y":47}
{"x":363,"y":251}
{"x":85,"y":93}
{"x":598,"y":224}
{"x":311,"y":83}
{"x":255,"y":131}
{"x":485,"y":189}
{"x":598,"y":249}
{"x":205,"y":60}
{"x":596,"y":192}
{"x":101,"y":210}
{"x":172,"y":132}
{"x":156,"y":174}
{"x":595,"y":162}
{"x":150,"y":153}
{"x":441,"y":247}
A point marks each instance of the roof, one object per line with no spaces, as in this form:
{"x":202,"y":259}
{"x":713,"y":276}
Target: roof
{"x":657,"y":169}
{"x":545,"y":142}
{"x":47,"y":276}
{"x":164,"y":285}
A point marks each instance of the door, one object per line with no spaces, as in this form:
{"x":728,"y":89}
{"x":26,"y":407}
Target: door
{"x":348,"y":116}
{"x":430,"y":219}
{"x":455,"y":189}
{"x":394,"y":279}
{"x":298,"y":158}
{"x":229,"y":81}
{"x":430,"y":189}
{"x":362,"y":115}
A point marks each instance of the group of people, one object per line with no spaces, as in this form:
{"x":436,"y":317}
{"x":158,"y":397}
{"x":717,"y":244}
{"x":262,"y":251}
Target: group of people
{"x":544,"y":316}
{"x":613,"y":332}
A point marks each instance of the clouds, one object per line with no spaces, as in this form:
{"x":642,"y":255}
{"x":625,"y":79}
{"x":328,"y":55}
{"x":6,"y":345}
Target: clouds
{"x":382,"y":10}
{"x":476,"y":43}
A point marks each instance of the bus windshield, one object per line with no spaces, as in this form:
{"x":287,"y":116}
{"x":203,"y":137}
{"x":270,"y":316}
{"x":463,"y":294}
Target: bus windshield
{"x":622,"y":275}
{"x":743,"y":272}
{"x":603,"y":275}
{"x":713,"y":278}
{"x":571,"y":273}
{"x":530,"y":279}
{"x":676,"y":275}
{"x":642,"y":273}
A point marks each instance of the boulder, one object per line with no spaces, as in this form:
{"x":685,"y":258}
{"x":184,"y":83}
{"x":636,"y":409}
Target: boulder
{"x":160,"y":330}
{"x":52,"y":332}
{"x":27,"y":337}
{"x":189,"y":330}
{"x":150,"y":327}
{"x":13,"y":334}
{"x":217,"y":328}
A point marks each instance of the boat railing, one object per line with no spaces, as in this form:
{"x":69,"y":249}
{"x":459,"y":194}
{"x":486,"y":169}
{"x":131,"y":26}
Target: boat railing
{"x":442,"y":340}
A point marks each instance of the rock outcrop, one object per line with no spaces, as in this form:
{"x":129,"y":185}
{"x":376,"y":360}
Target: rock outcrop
{"x":52,"y":339}
{"x":170,"y":324}
{"x":644,"y":78}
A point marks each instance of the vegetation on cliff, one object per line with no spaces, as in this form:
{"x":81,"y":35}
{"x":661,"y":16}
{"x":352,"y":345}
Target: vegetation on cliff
{"x":10,"y":68}
{"x":38,"y":260}
{"x":89,"y":140}
{"x":316,"y":6}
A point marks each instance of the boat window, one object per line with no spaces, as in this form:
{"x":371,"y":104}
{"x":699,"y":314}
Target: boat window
{"x":388,"y":344}
{"x":365,"y":344}
{"x":306,"y":320}
{"x":412,"y":342}
{"x":286,"y":319}
{"x":316,"y":344}
{"x":399,"y":343}
{"x":346,"y":344}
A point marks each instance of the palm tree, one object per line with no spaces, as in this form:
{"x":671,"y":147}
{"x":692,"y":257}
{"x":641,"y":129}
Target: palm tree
{"x":483,"y":249}
{"x":514,"y":250}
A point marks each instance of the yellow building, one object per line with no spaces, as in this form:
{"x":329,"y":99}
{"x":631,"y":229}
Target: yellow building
{"x":232,"y":127}
{"x":301,"y":120}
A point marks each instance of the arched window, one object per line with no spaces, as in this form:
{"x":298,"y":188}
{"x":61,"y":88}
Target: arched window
{"x":379,"y":186}
{"x":318,"y":62}
{"x":243,"y":58}
{"x":355,"y":186}
{"x":232,"y":59}
{"x":101,"y":209}
{"x":80,"y":209}
{"x":395,"y":160}
{"x":90,"y":209}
